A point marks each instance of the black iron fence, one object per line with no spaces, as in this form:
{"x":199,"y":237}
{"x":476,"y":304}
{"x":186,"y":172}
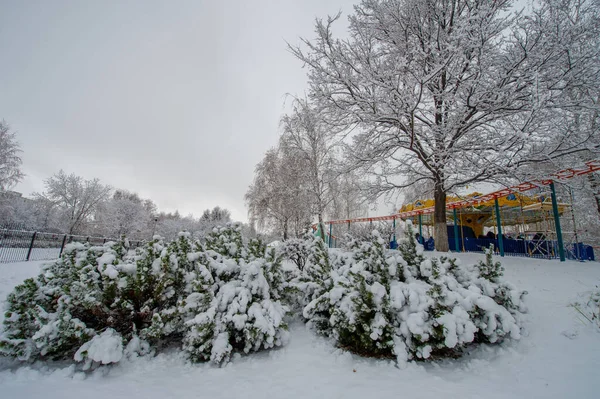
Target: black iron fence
{"x":18,"y":245}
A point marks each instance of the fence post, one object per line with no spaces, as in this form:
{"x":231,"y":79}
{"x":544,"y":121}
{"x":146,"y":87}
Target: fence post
{"x":31,"y":245}
{"x":62,"y":246}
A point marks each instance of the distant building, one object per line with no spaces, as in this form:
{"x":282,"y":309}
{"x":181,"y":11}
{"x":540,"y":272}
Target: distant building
{"x":14,"y":196}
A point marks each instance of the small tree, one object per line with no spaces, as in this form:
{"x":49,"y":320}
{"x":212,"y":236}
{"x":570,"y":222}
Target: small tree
{"x":366,"y":327}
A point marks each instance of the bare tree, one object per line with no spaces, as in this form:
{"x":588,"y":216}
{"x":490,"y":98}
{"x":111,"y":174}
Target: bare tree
{"x":75,"y":197}
{"x":123,"y":214}
{"x":450,"y":92}
{"x":572,"y":118}
{"x":348,"y":199}
{"x":278,"y":198}
{"x":10,"y":161}
{"x":307,"y":136}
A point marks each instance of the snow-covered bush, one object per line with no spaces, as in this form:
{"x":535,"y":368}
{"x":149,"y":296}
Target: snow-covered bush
{"x":97,"y":303}
{"x":379,"y":302}
{"x":244,"y":312}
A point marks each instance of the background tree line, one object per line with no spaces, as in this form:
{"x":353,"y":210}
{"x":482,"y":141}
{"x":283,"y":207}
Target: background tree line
{"x":71,"y":204}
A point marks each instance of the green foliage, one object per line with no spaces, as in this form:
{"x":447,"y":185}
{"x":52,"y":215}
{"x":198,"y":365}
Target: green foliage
{"x":21,"y":318}
{"x":369,"y":330}
{"x":411,"y":251}
{"x":227,"y":241}
{"x":489,"y":269}
{"x":318,"y":260}
{"x":256,"y":249}
{"x":314,"y":278}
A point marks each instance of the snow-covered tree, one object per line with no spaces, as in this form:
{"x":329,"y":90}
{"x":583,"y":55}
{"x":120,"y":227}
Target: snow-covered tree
{"x":36,"y":214}
{"x":349,"y":200}
{"x":278,"y":198}
{"x":450,"y":92}
{"x":573,"y":26}
{"x":216,"y":215}
{"x":124,"y":214}
{"x":10,"y":160}
{"x":306,"y":136}
{"x":77,"y":199}
{"x":212,"y":218}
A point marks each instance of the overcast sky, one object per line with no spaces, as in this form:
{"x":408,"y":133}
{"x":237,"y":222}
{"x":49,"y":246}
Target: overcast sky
{"x":175,"y":100}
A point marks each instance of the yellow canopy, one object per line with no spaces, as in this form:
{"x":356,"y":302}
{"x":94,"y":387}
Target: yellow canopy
{"x":516,"y":209}
{"x":511,"y":200}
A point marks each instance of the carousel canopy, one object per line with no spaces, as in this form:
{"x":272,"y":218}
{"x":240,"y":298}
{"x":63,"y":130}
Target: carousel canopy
{"x":515,"y":209}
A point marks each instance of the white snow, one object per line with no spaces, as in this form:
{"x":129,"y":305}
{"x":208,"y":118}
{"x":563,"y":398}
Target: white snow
{"x":105,"y":348}
{"x":558,"y":356}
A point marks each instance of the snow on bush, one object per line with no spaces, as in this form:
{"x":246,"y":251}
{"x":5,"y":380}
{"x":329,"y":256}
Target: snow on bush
{"x":96,"y":304}
{"x":378,"y":302}
{"x":245,"y":312}
{"x":589,"y":307}
{"x":296,"y":250}
{"x":104,"y":348}
{"x":313,"y":280}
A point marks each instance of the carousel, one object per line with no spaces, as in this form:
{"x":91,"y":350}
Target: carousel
{"x":510,"y":221}
{"x":523,"y":225}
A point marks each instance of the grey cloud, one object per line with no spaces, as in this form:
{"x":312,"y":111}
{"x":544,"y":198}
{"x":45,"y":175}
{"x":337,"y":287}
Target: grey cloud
{"x":175,"y":100}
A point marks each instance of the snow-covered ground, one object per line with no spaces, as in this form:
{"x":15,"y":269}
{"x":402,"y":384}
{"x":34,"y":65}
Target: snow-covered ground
{"x":559,"y":357}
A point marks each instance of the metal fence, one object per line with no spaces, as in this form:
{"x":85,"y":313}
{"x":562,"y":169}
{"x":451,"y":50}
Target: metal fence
{"x":544,"y":249}
{"x":19,"y":246}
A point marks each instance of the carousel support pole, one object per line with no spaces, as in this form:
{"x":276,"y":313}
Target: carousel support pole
{"x":394,"y":224}
{"x":456,"y":247}
{"x":421,"y":229}
{"x":577,"y":254}
{"x":559,"y":237}
{"x":499,"y":224}
{"x":330,"y":231}
{"x":462,"y":232}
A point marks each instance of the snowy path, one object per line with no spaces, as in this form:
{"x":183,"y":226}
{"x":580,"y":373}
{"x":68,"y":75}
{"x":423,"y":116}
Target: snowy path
{"x":559,"y":358}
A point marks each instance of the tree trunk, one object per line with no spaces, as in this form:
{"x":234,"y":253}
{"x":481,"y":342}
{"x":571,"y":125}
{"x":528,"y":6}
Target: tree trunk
{"x":439,"y":219}
{"x":285,"y":230}
{"x":322,"y":227}
{"x":595,"y":185}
